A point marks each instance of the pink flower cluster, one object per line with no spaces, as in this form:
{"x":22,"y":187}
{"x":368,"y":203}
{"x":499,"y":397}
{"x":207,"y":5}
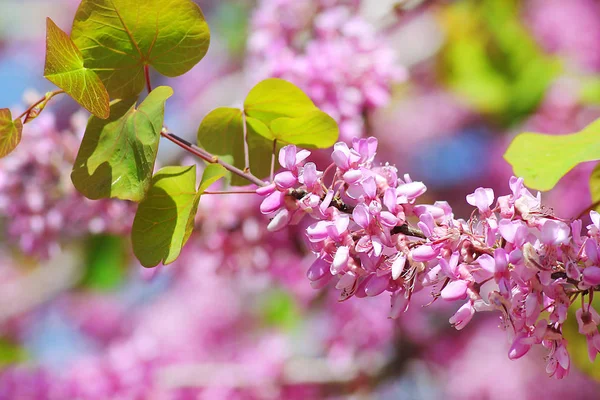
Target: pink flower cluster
{"x":38,"y":198}
{"x":330,"y":51}
{"x":511,"y":256}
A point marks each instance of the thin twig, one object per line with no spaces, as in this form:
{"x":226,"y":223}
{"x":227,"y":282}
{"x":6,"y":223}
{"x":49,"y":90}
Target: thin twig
{"x":206,"y":156}
{"x":46,"y":98}
{"x":273,"y":159}
{"x":246,"y":150}
{"x":230,"y":192}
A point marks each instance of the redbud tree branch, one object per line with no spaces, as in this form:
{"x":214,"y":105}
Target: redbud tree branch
{"x":206,"y":156}
{"x":46,"y":98}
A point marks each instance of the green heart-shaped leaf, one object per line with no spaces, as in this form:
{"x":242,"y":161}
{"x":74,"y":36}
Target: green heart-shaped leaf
{"x":222,"y":134}
{"x":117,"y":155}
{"x":543,"y":159}
{"x":275,"y":98}
{"x":165,"y":218}
{"x":118,"y":38}
{"x":64,"y":67}
{"x":313,"y":130}
{"x":10,"y":132}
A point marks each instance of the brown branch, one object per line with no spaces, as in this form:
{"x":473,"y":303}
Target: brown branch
{"x":206,"y":156}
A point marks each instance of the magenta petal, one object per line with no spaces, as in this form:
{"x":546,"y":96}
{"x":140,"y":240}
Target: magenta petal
{"x":400,"y":304}
{"x":279,"y":221}
{"x":595,"y":217}
{"x":377,"y":285}
{"x":518,"y":348}
{"x":347,"y":280}
{"x":340,"y":260}
{"x":591,"y":250}
{"x":272,"y":202}
{"x":266,"y":190}
{"x":461,"y":318}
{"x":287,"y":156}
{"x":301,"y":156}
{"x":513,"y":231}
{"x":339,"y":227}
{"x":481,"y":198}
{"x":388,"y":219}
{"x":352,"y":176}
{"x":411,"y":190}
{"x":424,"y":253}
{"x":310,"y":175}
{"x":591,"y":276}
{"x":436,"y":212}
{"x":285,"y":180}
{"x":341,"y":155}
{"x":455,"y":290}
{"x":501,"y":260}
{"x":318,"y":268}
{"x":398,"y":266}
{"x":327,"y":201}
{"x":318,"y":231}
{"x":370,"y":187}
{"x":389,"y":199}
{"x":487,"y":263}
{"x":555,"y":232}
{"x":361,"y":215}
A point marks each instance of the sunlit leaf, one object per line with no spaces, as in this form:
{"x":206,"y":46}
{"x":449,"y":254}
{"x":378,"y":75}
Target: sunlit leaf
{"x":211,"y":174}
{"x":65,"y":68}
{"x":274,"y":98}
{"x":164,"y":220}
{"x":117,"y":155}
{"x":221,"y":133}
{"x":119,"y":37}
{"x":315,"y":129}
{"x":10,"y":132}
{"x":543,"y":159}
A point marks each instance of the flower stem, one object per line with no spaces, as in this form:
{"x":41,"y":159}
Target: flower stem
{"x":147,"y":76}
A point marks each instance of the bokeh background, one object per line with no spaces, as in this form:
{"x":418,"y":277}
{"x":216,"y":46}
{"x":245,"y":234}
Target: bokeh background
{"x":443,"y":85}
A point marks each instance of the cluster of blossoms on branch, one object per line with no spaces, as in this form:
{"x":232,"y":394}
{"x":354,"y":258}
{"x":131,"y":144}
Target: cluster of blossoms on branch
{"x":511,"y":256}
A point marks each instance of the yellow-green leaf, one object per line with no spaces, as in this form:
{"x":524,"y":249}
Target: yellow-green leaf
{"x":275,"y":98}
{"x":117,"y":155}
{"x":65,"y":68}
{"x":313,"y":130}
{"x":10,"y":132}
{"x":165,"y":218}
{"x":118,"y":38}
{"x":543,"y":159}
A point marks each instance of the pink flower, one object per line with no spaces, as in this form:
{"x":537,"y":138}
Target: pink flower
{"x":482,"y":199}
